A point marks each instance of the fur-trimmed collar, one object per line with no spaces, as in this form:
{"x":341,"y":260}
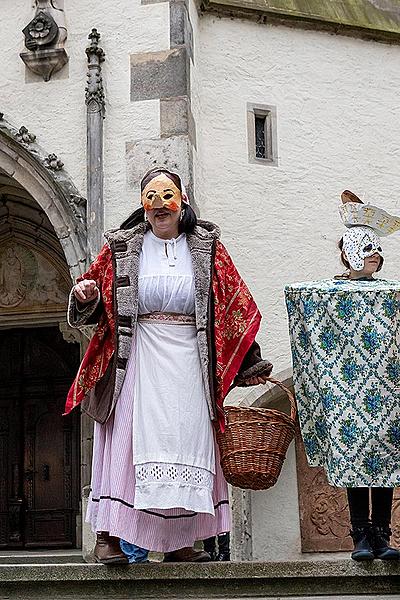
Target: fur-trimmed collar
{"x":205,"y":230}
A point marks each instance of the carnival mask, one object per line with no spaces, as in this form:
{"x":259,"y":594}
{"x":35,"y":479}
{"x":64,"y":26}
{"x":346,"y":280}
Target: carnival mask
{"x":161,"y":192}
{"x":360,"y":242}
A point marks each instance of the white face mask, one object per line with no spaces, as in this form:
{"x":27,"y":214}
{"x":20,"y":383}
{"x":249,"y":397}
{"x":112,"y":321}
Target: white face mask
{"x":359,"y":242}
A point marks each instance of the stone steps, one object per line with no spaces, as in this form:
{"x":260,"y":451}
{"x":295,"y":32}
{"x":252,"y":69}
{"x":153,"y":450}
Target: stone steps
{"x":209,"y":580}
{"x":40,"y":557}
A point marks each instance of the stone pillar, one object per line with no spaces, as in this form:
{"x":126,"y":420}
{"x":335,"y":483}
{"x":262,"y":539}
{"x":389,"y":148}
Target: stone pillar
{"x":241,"y":536}
{"x":95,"y":103}
{"x":165,"y":76}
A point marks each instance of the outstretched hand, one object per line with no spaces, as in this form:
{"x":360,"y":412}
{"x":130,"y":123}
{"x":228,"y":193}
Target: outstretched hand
{"x":86,"y":290}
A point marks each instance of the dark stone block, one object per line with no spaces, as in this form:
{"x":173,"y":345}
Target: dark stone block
{"x":159,"y":74}
{"x":173,"y":116}
{"x":181,"y":31}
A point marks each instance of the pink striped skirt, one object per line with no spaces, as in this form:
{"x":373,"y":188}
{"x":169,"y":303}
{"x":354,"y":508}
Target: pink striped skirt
{"x":111,"y":502}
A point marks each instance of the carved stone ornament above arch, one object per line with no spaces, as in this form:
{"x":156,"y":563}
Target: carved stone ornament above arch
{"x":27,"y":164}
{"x":45,"y":37}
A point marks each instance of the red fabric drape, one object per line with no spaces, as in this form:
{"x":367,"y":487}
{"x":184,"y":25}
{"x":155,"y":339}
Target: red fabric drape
{"x":236,"y":322}
{"x":101,"y":346}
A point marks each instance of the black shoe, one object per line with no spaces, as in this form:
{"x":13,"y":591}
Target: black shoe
{"x":362,"y":547}
{"x":224,"y":553}
{"x":380,"y":537}
{"x":209,"y":546}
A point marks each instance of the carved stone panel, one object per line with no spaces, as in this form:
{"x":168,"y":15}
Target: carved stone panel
{"x":29,"y":283}
{"x":45,"y":37}
{"x":324,"y":517}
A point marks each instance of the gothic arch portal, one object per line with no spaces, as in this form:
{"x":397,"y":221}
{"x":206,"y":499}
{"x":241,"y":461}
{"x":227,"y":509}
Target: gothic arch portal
{"x":43,"y":178}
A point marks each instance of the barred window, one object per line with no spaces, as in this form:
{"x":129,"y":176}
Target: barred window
{"x":262,"y":138}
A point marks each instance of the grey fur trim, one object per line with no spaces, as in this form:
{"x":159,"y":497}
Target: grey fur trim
{"x":78,"y":317}
{"x":126,"y":246}
{"x":201,"y":245}
{"x":207,"y":230}
{"x":264,"y":367}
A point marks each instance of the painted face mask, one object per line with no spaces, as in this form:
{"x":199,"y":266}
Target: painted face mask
{"x":161,"y":192}
{"x":359,"y":242}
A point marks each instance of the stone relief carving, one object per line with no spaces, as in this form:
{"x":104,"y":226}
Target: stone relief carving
{"x":29,"y":282}
{"x":76,"y":202}
{"x":24,"y":136}
{"x":70,"y":335}
{"x":324,"y":517}
{"x":45,"y":37}
{"x":95,"y":99}
{"x":53,"y":162}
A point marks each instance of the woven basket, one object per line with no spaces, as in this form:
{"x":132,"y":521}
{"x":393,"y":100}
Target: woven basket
{"x":254,"y":444}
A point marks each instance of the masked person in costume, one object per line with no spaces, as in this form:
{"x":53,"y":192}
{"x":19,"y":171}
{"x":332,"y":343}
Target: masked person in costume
{"x":346,"y":371}
{"x":176,"y":326}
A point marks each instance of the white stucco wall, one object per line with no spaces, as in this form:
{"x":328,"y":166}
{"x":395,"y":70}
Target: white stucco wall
{"x":55,"y":111}
{"x":338,"y":128}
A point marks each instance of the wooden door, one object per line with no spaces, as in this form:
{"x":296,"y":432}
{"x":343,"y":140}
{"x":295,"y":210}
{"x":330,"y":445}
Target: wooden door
{"x":39,"y":449}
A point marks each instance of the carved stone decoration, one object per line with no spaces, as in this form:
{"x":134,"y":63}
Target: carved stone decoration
{"x":95,"y":99}
{"x":70,"y":335}
{"x":78,"y":200}
{"x":95,"y":104}
{"x":45,"y":37}
{"x":324,"y":516}
{"x":28,"y":282}
{"x":24,"y":136}
{"x":53,"y":162}
{"x":41,"y":31}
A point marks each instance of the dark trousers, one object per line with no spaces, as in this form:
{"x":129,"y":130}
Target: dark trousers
{"x":359,"y":506}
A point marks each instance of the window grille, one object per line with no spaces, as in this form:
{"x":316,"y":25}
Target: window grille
{"x":262,"y":135}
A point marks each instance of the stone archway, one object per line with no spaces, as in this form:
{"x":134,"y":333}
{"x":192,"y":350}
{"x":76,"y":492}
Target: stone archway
{"x":44,"y":179}
{"x":42,"y":248}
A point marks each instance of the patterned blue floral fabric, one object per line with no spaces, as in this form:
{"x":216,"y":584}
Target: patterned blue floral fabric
{"x":345,"y":339}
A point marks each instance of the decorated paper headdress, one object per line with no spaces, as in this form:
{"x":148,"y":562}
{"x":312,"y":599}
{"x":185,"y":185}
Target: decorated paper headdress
{"x":364,"y":224}
{"x":354,"y":212}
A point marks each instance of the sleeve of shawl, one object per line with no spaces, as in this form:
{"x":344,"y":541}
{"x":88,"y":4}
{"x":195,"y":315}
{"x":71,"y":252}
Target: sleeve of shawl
{"x":80,"y":314}
{"x":240,"y":323}
{"x":236,"y":320}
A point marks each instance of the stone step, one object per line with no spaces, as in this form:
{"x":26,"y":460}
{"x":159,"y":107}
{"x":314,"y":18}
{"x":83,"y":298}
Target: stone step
{"x":40,"y":557}
{"x":305,"y":578}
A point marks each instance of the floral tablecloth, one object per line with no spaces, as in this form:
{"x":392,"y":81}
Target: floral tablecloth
{"x":345,"y":338}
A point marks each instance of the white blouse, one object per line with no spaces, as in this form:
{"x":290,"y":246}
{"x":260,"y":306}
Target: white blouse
{"x":166,"y":282}
{"x":173,"y":443}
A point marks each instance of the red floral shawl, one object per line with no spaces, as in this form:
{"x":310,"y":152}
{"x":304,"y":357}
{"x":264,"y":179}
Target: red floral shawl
{"x":236,"y":322}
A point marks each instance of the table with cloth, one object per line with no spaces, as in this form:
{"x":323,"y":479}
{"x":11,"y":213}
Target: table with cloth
{"x":345,"y":337}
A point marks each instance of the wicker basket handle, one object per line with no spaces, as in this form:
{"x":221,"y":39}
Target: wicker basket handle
{"x":290,"y":395}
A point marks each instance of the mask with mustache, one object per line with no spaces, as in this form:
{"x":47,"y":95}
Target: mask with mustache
{"x":161,"y":192}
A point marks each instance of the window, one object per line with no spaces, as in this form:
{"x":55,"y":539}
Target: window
{"x":262,"y":135}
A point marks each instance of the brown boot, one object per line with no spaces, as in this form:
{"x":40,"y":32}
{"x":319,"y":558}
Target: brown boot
{"x":108,"y":551}
{"x":187,"y":555}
